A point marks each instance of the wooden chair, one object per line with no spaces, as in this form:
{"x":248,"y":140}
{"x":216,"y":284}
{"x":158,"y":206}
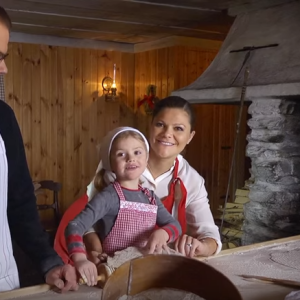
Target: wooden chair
{"x":42,"y":187}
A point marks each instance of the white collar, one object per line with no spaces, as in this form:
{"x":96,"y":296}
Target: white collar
{"x":147,"y":174}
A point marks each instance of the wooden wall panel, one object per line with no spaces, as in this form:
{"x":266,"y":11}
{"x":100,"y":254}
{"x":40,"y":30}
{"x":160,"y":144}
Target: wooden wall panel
{"x":211,"y":150}
{"x":153,"y":67}
{"x":57,"y":97}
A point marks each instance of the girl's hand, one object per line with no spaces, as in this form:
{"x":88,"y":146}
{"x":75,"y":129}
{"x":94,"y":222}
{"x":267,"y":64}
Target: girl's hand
{"x":96,"y":257}
{"x":86,"y":269}
{"x":158,"y":242}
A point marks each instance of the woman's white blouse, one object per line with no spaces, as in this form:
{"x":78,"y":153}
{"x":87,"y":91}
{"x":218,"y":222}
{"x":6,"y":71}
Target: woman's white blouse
{"x":200,"y":222}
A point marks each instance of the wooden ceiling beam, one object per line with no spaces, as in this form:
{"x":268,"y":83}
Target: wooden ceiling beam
{"x":138,"y":21}
{"x":70,"y":42}
{"x":124,"y":12}
{"x":169,"y":5}
{"x":15,"y":13}
{"x":104,"y":25}
{"x":109,"y":35}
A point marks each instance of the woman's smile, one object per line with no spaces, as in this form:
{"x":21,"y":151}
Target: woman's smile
{"x":165,"y":143}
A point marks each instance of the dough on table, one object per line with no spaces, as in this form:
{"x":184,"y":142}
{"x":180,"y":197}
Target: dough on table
{"x":129,"y":253}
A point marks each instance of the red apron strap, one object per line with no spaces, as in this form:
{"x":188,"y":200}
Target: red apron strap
{"x":169,"y":200}
{"x":60,"y":245}
{"x":181,"y":207}
{"x":148,"y":194}
{"x":119,"y":191}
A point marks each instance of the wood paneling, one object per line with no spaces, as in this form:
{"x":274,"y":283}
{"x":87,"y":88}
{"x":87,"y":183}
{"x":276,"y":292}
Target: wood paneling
{"x":153,"y":67}
{"x":210,"y":152}
{"x":56,"y":94}
{"x":168,"y":69}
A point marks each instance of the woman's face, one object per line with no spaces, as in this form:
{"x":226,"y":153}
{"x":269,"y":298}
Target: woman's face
{"x":170,"y":132}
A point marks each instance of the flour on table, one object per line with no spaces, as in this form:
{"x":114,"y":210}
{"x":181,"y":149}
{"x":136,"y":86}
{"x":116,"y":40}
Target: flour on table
{"x":287,"y":258}
{"x":162,"y":294}
{"x":280,"y":261}
{"x":293,"y":296}
{"x":130,"y":253}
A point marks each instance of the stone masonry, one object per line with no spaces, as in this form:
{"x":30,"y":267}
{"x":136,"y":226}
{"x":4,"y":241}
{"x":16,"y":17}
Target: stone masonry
{"x":274,"y":148}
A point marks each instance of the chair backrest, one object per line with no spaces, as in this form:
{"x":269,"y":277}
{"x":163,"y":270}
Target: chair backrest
{"x":55,"y":187}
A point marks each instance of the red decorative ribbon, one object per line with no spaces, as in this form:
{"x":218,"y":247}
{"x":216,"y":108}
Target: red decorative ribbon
{"x":147,"y":99}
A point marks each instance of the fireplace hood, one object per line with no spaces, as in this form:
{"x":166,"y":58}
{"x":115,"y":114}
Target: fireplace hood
{"x":267,"y":41}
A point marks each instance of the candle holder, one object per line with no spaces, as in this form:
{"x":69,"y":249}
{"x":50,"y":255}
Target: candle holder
{"x":109,"y":89}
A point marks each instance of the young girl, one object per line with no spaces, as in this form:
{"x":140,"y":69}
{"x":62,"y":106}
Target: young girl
{"x":128,"y":213}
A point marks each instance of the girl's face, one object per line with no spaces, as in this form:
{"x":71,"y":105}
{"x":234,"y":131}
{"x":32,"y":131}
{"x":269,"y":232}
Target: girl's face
{"x":128,"y":158}
{"x":170,"y":132}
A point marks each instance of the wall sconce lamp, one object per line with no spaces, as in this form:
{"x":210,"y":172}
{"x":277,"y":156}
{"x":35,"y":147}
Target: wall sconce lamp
{"x":109,"y":87}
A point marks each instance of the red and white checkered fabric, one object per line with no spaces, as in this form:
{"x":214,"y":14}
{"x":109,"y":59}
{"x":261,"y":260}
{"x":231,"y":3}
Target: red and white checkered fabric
{"x":134,"y":224}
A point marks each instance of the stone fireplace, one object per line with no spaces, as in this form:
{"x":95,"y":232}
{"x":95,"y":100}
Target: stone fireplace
{"x":274,"y":149}
{"x":267,"y":41}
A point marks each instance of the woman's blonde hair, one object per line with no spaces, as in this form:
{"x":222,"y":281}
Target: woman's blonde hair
{"x":99,"y":181}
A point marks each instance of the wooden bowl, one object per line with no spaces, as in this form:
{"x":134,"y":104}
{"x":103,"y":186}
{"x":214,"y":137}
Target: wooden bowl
{"x":169,"y":271}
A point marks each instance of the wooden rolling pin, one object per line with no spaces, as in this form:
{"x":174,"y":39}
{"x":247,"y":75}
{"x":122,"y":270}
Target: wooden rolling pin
{"x":283,"y":282}
{"x":104,"y":270}
{"x":99,"y":278}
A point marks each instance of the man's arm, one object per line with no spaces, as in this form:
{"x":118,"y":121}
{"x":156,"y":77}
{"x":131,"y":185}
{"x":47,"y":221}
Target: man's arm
{"x":23,"y":217}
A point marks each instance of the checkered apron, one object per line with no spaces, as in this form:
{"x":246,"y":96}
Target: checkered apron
{"x":134,"y":224}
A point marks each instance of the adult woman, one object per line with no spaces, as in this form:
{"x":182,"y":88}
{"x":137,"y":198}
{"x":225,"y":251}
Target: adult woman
{"x":179,"y":186}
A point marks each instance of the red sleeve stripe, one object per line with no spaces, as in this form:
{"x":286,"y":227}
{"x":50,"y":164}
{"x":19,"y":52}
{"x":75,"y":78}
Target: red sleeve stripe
{"x":73,"y":238}
{"x":172,"y":231}
{"x":76,"y":250}
{"x":176,"y":232}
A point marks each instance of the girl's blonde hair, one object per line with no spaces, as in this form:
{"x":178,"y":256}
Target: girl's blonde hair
{"x":99,"y":181}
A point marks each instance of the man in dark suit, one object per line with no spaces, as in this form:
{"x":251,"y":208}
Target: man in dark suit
{"x":19,"y":217}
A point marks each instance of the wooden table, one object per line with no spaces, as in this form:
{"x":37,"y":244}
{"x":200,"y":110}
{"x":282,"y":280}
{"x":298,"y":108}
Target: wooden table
{"x":278,"y":259}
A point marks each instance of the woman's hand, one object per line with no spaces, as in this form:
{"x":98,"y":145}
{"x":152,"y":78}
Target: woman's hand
{"x":158,"y":242}
{"x":192,"y":247}
{"x":86,"y":269}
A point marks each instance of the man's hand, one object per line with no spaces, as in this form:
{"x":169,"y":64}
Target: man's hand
{"x":63,"y":277}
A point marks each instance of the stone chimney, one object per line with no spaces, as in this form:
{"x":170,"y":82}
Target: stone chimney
{"x":267,"y":41}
